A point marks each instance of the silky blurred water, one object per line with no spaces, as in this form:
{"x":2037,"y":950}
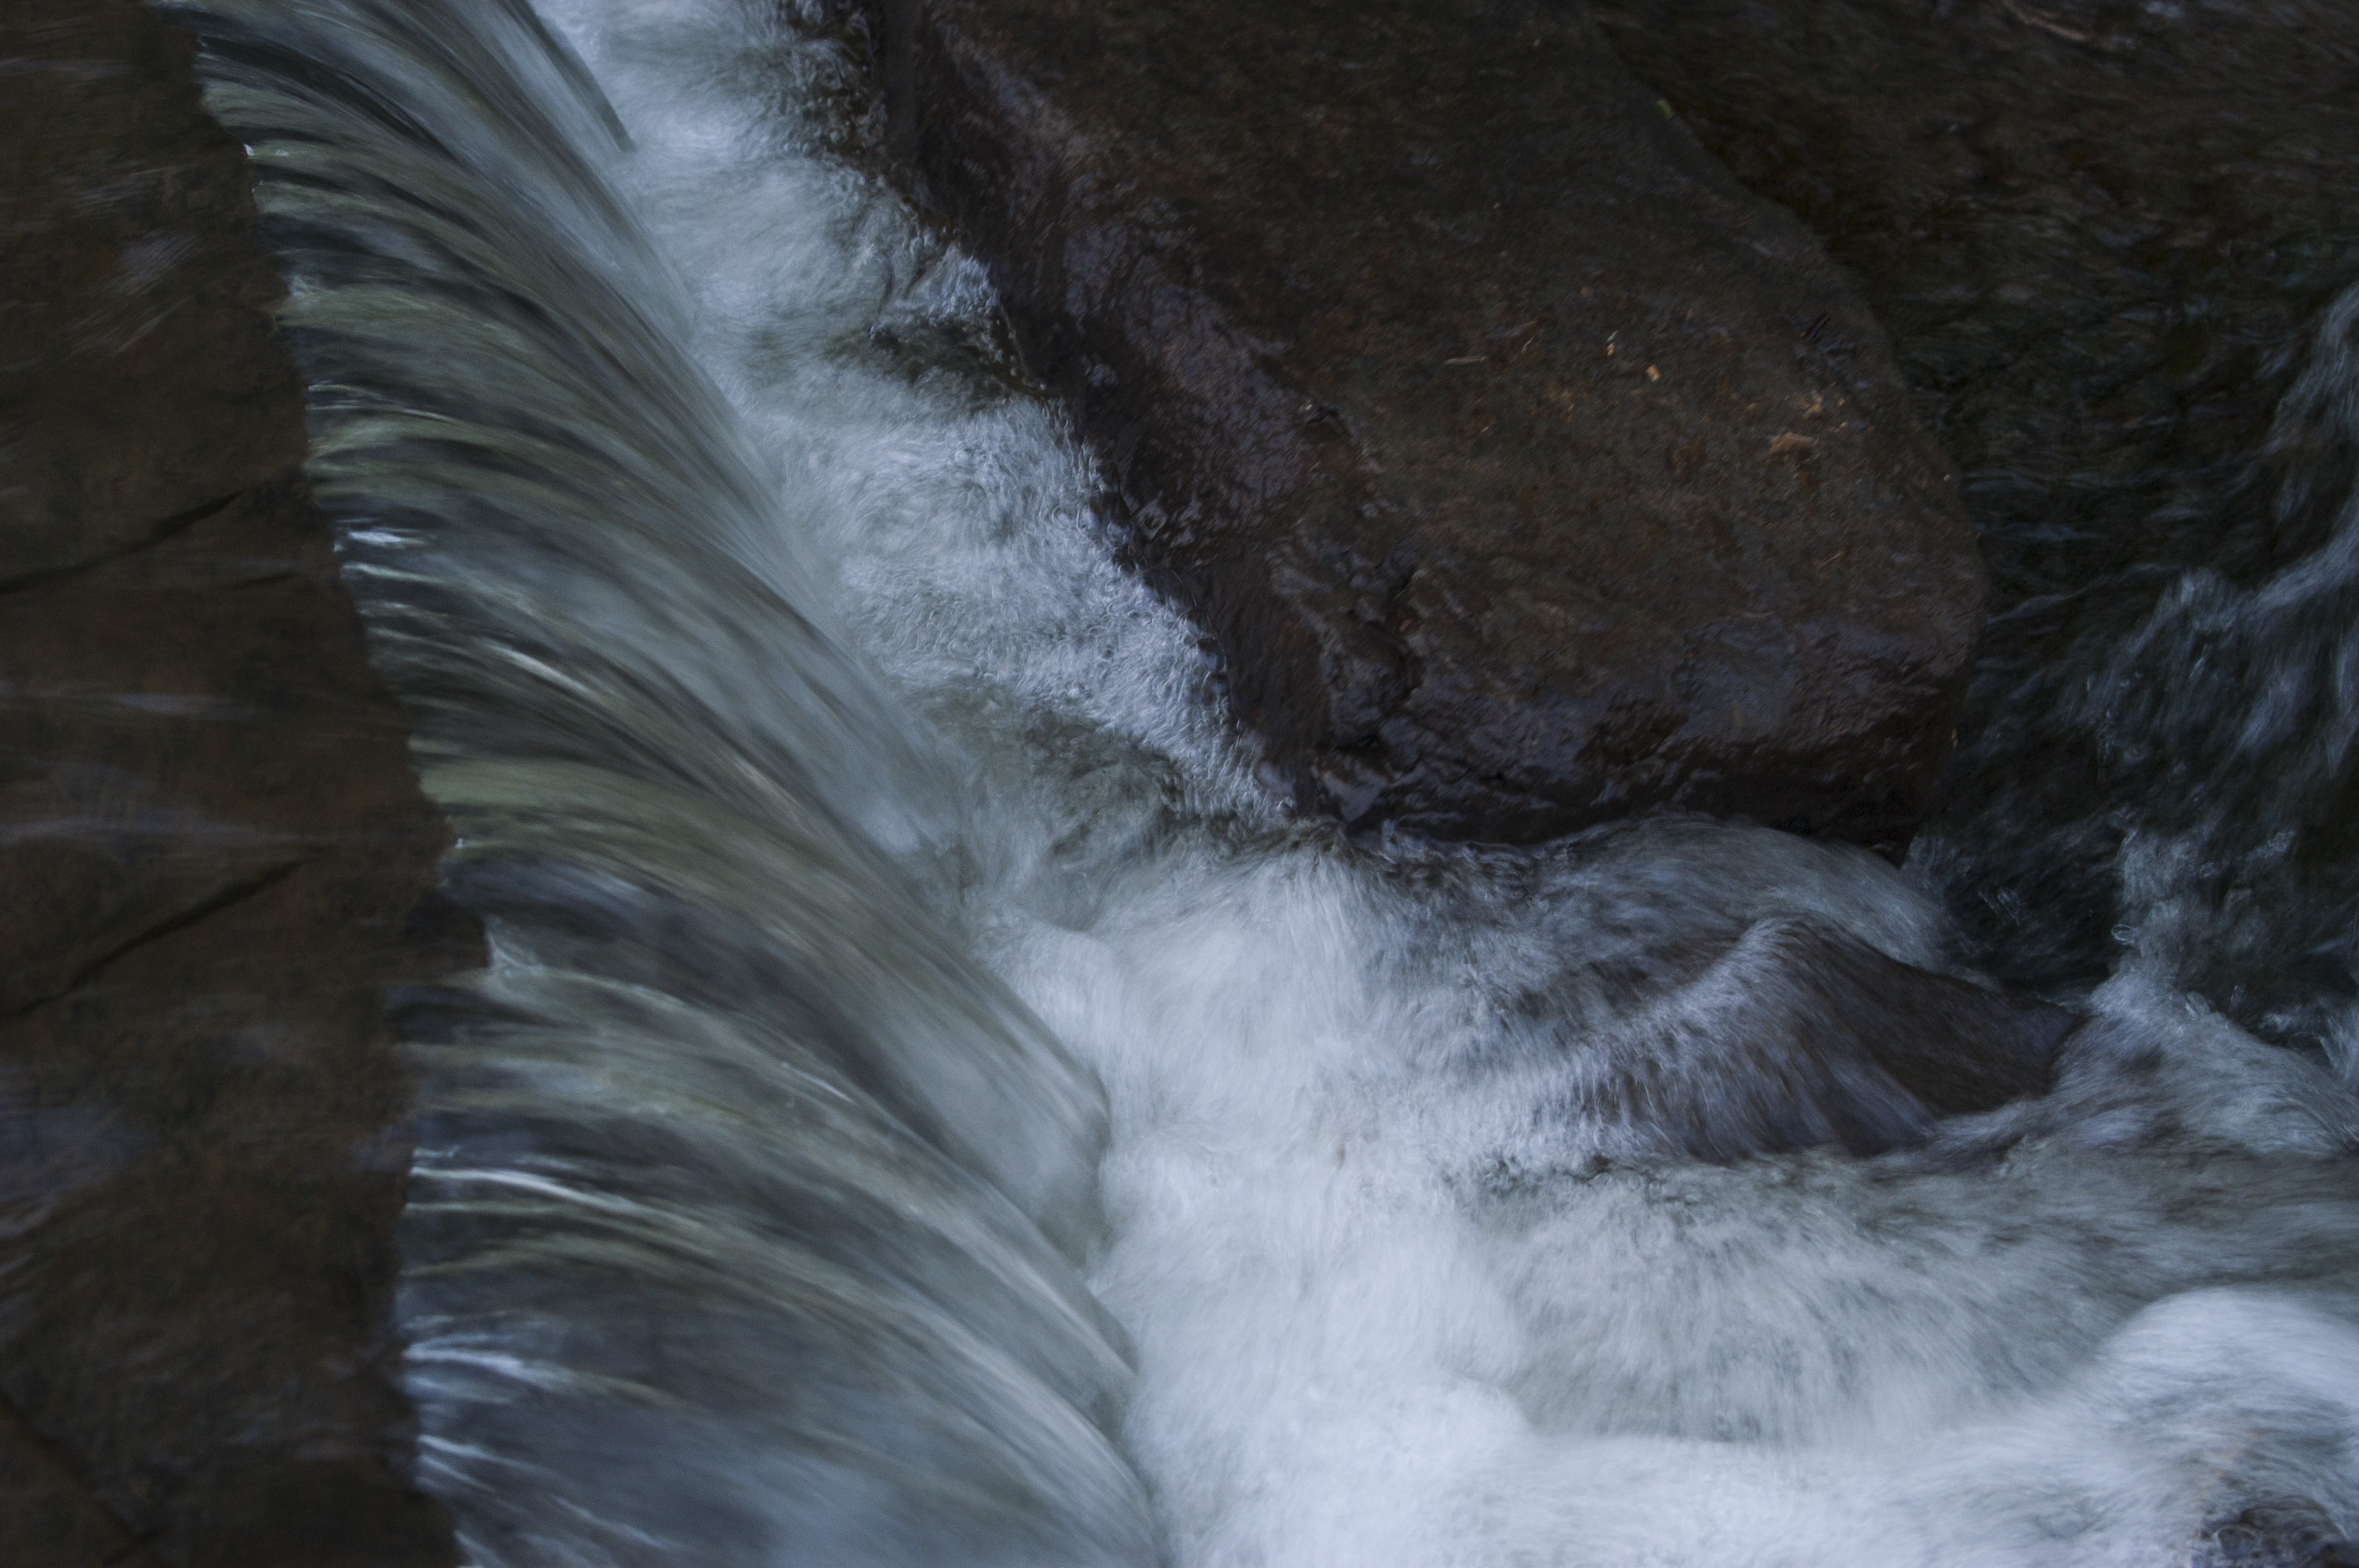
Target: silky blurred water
{"x":930,"y":1105}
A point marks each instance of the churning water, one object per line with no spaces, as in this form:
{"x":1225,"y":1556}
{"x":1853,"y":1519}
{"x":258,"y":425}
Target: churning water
{"x":928,"y":1104}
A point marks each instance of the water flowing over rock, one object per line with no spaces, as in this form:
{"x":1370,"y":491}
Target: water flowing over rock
{"x":2115,"y":246}
{"x":215,"y":855}
{"x":1800,"y":1035}
{"x":1529,"y":471}
{"x":931,"y":1102}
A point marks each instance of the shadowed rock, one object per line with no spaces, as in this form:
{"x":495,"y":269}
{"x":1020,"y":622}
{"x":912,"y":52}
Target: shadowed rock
{"x":2108,"y":239}
{"x":1798,"y":1037}
{"x":1529,"y":471}
{"x":215,"y":855}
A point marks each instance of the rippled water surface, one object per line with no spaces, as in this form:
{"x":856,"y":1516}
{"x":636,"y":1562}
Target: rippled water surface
{"x":930,"y":1105}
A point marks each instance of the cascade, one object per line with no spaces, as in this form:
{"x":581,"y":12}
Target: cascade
{"x":930,"y":1103}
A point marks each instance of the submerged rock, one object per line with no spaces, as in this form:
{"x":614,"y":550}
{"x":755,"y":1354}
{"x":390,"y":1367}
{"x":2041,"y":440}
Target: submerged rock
{"x":216,"y":857}
{"x":1529,"y":470}
{"x":1801,"y":1035}
{"x":1716,"y":993}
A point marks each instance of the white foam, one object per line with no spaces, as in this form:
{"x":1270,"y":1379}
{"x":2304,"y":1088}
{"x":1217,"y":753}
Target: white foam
{"x":1357,"y":1342}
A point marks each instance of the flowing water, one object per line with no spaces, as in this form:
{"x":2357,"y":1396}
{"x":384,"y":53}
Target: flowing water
{"x":929,"y":1103}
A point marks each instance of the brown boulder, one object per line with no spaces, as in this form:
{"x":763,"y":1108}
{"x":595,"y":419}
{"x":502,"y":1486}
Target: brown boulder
{"x":215,"y":856}
{"x":2108,"y":239}
{"x":1529,"y":471}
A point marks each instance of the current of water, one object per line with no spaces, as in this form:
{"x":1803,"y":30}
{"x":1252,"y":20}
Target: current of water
{"x":930,"y":1105}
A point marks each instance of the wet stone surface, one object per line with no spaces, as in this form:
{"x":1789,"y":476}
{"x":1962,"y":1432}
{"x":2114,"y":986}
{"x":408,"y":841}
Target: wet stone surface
{"x":1529,"y":471}
{"x":1800,"y":1035}
{"x":217,"y":862}
{"x":2107,"y":240}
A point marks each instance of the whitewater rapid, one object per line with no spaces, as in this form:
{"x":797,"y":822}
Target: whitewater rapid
{"x":932,"y":1105}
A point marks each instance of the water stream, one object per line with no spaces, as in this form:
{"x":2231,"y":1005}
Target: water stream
{"x":930,"y":1105}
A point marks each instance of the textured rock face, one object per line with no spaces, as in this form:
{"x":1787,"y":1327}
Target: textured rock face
{"x":2108,"y":239}
{"x":1529,"y":471}
{"x":215,"y":856}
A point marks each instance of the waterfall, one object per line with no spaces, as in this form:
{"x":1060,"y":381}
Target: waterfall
{"x":929,"y":1103}
{"x":737,"y":1211}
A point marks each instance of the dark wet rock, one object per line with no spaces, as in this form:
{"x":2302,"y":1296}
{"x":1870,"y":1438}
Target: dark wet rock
{"x":2287,"y":1532}
{"x":1529,"y":471}
{"x":213,"y":847}
{"x":2104,"y":237}
{"x":1798,"y":1037}
{"x":50,"y":1510}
